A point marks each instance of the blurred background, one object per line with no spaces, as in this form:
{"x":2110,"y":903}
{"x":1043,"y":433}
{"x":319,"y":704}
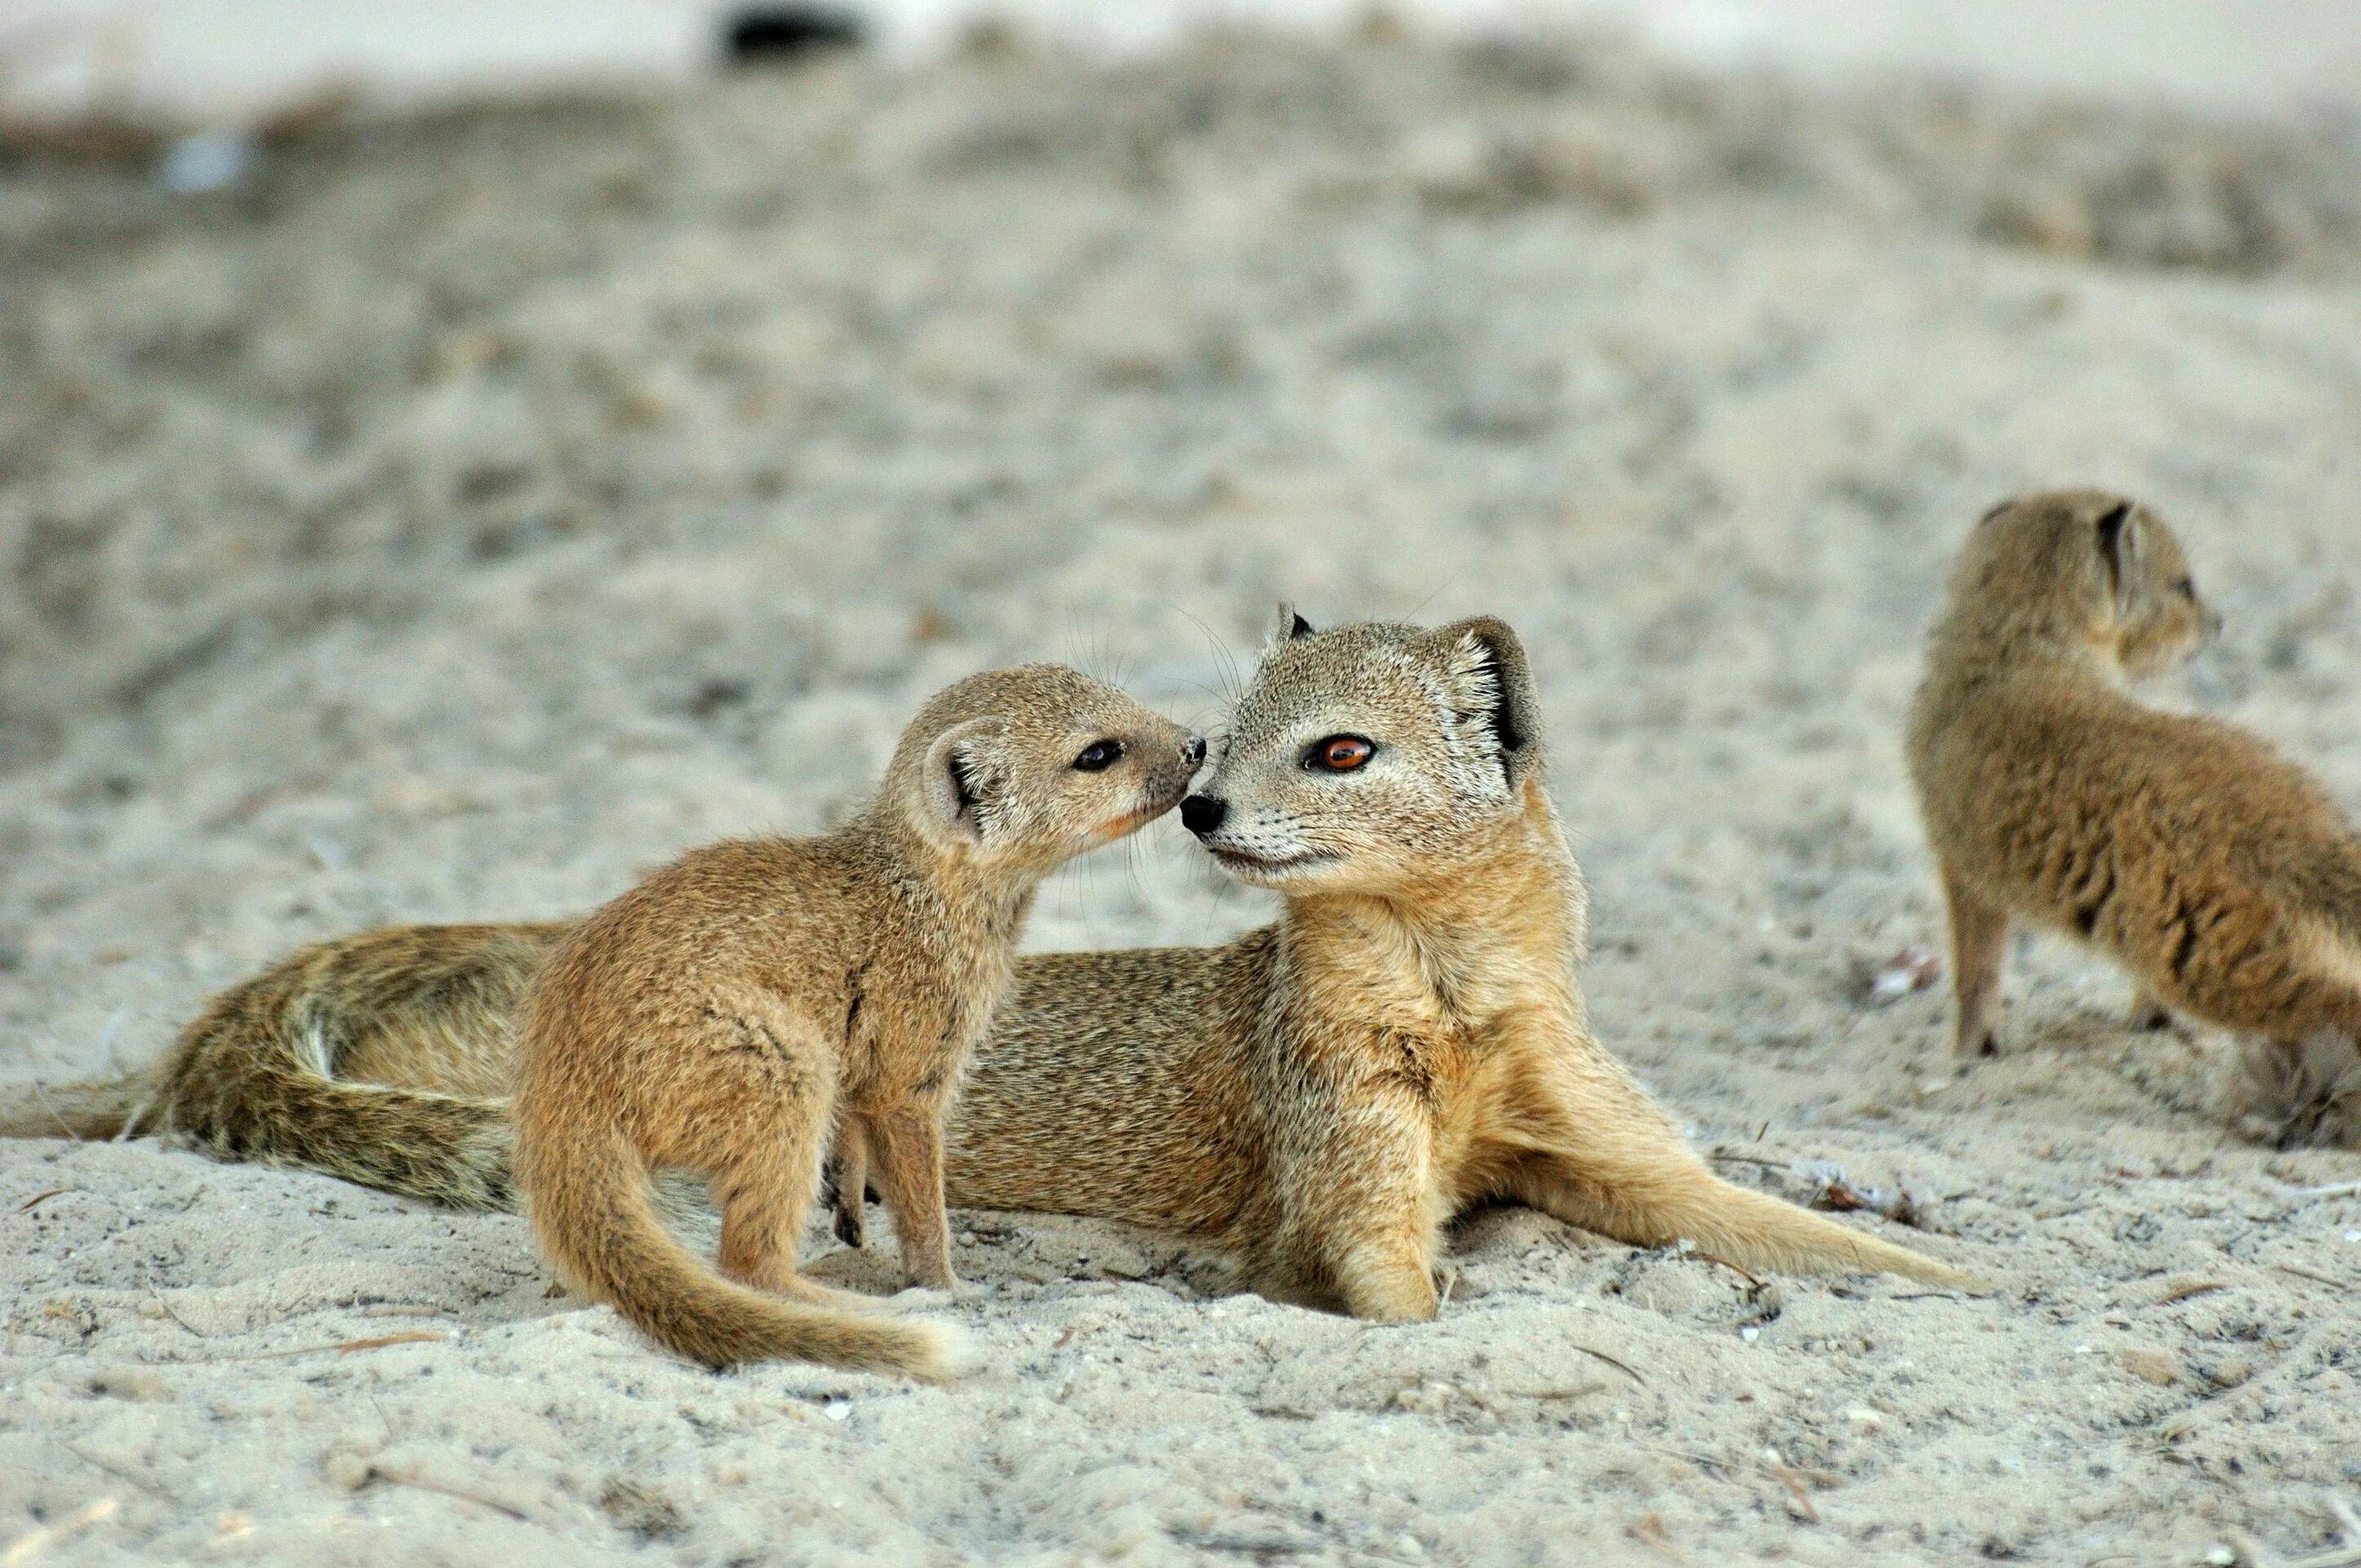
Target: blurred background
{"x":453,"y":454}
{"x":206,"y":62}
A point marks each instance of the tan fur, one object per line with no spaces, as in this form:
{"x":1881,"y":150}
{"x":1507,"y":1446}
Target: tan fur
{"x":2222,"y":877}
{"x":723,"y":1014}
{"x":1318,"y":1098}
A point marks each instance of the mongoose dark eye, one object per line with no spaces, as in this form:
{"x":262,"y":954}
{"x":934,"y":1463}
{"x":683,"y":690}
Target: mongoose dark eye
{"x":1099,"y":756}
{"x":2185,"y":589}
{"x":1339,"y":754}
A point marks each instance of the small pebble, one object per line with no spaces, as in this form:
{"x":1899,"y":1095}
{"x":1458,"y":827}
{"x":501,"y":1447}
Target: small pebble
{"x":837,"y":1410}
{"x":1750,"y":1334}
{"x":346,"y":1471}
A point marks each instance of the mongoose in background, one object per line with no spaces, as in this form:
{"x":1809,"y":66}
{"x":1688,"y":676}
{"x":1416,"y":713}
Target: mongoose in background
{"x":1314,"y":1099}
{"x":2221,"y":876}
{"x":722,"y":1015}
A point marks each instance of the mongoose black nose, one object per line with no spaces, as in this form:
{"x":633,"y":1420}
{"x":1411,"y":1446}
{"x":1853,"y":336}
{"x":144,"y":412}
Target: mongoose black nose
{"x":1201,"y":814}
{"x":1194,"y":750}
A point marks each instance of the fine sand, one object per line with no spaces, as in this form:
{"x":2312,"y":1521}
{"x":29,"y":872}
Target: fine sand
{"x":468,"y":513}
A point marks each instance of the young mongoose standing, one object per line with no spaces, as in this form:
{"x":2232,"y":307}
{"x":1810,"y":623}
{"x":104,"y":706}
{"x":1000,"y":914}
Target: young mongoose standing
{"x":2219,"y":875}
{"x":1314,"y":1099}
{"x":722,"y":1015}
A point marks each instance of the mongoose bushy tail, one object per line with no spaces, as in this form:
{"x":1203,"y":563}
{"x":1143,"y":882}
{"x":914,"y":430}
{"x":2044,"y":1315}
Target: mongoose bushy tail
{"x":599,"y":1228}
{"x":384,"y":1059}
{"x":104,"y":1108}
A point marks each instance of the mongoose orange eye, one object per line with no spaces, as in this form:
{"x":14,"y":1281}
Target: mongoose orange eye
{"x":1340,"y":753}
{"x":1099,"y":756}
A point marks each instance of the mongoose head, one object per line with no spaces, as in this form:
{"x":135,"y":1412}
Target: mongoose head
{"x":2087,"y":570}
{"x":1021,"y":769}
{"x":1371,"y":755}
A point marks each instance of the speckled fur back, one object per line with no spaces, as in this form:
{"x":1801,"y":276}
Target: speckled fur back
{"x":2221,"y":875}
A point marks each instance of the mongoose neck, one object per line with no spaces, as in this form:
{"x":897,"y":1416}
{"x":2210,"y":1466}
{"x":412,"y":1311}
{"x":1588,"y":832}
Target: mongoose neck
{"x":1977,"y":642}
{"x":956,"y":880}
{"x":1502,"y":921}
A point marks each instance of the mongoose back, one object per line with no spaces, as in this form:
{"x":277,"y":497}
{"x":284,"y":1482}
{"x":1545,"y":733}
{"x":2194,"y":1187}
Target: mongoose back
{"x":1314,"y":1099}
{"x":2221,"y":876}
{"x":723,"y":1014}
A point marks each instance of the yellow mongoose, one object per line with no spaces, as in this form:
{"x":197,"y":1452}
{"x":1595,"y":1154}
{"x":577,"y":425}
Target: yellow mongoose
{"x":1314,"y":1099}
{"x":2219,"y":875}
{"x":720,"y":1017}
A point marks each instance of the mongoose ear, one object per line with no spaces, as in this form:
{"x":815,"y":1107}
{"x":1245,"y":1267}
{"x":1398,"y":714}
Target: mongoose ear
{"x":1488,"y":681}
{"x":2008,"y":505}
{"x":2119,"y":546}
{"x":960,"y":783}
{"x":1291,"y":624}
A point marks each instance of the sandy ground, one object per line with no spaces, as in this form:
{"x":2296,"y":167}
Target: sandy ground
{"x":467,"y":514}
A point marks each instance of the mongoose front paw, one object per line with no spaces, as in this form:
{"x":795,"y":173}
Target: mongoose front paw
{"x":1390,"y":1293}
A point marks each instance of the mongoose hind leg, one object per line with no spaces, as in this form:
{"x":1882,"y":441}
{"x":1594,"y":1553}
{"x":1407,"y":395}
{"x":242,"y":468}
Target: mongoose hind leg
{"x":844,"y":1181}
{"x":2304,"y":1091}
{"x":1979,"y":953}
{"x":762,"y":1180}
{"x":908,"y":1147}
{"x":1610,"y":1162}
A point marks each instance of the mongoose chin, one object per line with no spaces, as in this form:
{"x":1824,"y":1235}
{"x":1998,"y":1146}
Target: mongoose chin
{"x":2221,"y":876}
{"x":722,"y":1016}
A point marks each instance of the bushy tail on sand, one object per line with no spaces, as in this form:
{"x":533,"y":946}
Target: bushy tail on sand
{"x":254,"y":1078}
{"x":441,"y":1147}
{"x":111,"y":1108}
{"x":444,"y":1148}
{"x":591,"y":1208}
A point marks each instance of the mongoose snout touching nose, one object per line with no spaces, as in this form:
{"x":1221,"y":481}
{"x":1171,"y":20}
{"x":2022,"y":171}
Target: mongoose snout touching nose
{"x":2221,"y":875}
{"x":723,"y":1016}
{"x":1201,"y":814}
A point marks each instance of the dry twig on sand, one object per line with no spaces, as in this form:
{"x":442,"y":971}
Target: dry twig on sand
{"x":2346,"y":1553}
